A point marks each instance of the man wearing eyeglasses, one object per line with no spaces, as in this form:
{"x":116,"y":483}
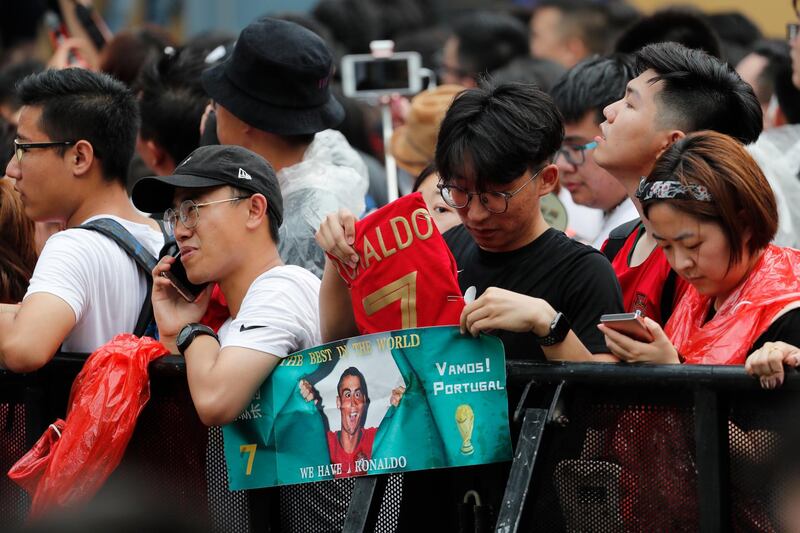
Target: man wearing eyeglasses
{"x":224,"y":206}
{"x":539,"y":291}
{"x":75,"y":139}
{"x":581,"y":94}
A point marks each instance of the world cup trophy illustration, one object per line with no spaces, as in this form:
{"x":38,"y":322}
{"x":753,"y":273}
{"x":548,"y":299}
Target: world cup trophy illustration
{"x":465,"y":420}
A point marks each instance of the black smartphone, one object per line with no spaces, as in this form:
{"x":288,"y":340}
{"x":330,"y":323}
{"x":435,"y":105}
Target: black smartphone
{"x":629,"y":324}
{"x":177,"y":274}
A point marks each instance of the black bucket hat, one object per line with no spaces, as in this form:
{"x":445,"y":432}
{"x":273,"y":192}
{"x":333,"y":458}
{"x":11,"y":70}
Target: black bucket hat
{"x":212,"y":166}
{"x":277,"y":79}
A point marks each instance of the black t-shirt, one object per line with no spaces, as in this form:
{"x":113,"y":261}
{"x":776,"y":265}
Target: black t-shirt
{"x":786,"y":329}
{"x":572,"y":277}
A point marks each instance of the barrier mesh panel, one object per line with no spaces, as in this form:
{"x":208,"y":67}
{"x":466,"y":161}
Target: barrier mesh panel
{"x":756,"y":431}
{"x":168,"y":449}
{"x":322,"y":507}
{"x":14,"y":502}
{"x":228,"y":509}
{"x":390,"y":506}
{"x":617,"y":465}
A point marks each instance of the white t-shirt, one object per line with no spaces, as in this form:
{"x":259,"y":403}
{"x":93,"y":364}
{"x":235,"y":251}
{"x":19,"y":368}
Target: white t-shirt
{"x":624,"y":212}
{"x":279,"y":314}
{"x":98,"y":279}
{"x":583,"y":222}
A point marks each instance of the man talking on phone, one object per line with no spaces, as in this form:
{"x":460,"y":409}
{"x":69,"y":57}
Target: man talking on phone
{"x":224,"y":206}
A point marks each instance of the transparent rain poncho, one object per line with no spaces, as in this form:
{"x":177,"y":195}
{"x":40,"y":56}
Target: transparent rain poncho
{"x":331,"y":176}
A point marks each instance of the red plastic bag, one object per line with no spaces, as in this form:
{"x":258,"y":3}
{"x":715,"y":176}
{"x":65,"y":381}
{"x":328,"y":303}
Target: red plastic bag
{"x":29,"y":470}
{"x":105,"y":401}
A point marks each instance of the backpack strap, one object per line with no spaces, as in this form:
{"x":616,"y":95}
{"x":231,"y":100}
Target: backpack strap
{"x":618,"y":236}
{"x":668,"y":296}
{"x":146,"y":262}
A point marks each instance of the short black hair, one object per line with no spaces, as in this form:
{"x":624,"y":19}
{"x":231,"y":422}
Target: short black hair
{"x":11,"y":75}
{"x":585,"y":19}
{"x":172,"y":100}
{"x":701,"y":92}
{"x":540,"y":72}
{"x":350,"y":23}
{"x":80,"y":104}
{"x":737,"y":34}
{"x":495,"y":134}
{"x":788,"y":95}
{"x":353,"y":371}
{"x":681,"y":25}
{"x":591,"y":85}
{"x":488,"y":41}
{"x":422,"y":176}
{"x":777,"y":54}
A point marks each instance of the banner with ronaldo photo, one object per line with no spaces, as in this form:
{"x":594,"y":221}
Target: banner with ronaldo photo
{"x":412,"y":399}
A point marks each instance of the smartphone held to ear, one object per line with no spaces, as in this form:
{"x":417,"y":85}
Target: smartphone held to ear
{"x":629,"y":324}
{"x":177,"y":275}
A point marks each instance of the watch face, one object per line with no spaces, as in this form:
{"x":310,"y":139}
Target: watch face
{"x":559,"y":329}
{"x":183,"y":334}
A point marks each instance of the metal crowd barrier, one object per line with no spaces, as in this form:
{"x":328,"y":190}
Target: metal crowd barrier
{"x":598,"y":447}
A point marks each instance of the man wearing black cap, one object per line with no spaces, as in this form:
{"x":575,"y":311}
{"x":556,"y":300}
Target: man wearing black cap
{"x":272,"y":96}
{"x":225,"y":208}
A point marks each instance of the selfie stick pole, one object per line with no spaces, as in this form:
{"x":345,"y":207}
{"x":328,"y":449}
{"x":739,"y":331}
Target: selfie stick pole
{"x":391,"y":167}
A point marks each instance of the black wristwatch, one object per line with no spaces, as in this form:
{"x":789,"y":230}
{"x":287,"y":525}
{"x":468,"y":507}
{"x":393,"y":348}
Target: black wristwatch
{"x":189,"y":332}
{"x":559,"y":328}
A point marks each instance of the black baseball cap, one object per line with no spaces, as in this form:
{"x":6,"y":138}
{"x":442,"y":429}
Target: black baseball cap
{"x":212,"y":166}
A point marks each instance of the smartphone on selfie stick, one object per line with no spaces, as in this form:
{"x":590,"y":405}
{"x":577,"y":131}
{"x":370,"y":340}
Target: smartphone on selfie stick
{"x":177,"y":274}
{"x":375,"y":77}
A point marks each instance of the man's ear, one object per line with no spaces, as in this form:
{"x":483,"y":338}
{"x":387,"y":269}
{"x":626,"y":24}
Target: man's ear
{"x":152,"y":154}
{"x":671,"y":138}
{"x":338,"y":402}
{"x":257,"y":211}
{"x":469,"y":82}
{"x":780,"y":118}
{"x":80,"y":157}
{"x":576,"y":49}
{"x":548,"y":179}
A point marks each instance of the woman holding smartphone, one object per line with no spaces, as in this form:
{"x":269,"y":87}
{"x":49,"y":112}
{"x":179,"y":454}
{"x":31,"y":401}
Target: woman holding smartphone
{"x":714,"y":214}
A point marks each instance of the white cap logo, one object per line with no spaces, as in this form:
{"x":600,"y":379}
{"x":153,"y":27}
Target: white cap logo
{"x":243,"y":175}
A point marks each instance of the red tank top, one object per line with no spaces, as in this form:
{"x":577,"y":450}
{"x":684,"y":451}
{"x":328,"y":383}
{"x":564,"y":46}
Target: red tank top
{"x":643,"y":285}
{"x":406,"y":276}
{"x":217,"y":312}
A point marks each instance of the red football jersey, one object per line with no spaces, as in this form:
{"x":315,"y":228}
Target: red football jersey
{"x":217,"y":312}
{"x":643,"y":285}
{"x":406,"y":276}
{"x":363,"y":452}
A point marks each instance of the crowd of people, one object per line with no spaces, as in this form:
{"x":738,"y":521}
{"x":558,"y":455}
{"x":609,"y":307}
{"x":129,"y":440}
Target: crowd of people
{"x":671,"y":141}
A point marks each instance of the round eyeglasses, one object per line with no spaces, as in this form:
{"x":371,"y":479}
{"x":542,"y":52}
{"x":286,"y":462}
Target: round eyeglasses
{"x":189,"y":213}
{"x":575,"y":154}
{"x":496,"y":202}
